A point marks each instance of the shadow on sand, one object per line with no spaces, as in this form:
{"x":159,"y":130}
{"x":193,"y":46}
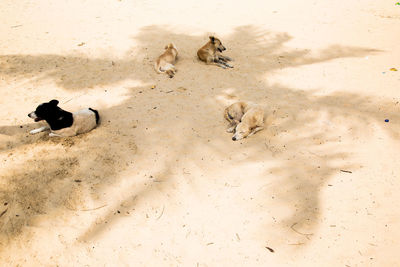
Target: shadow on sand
{"x":303,"y":139}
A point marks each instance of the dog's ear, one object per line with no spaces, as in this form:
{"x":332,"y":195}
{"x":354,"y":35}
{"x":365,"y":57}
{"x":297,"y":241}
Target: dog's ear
{"x":212,"y":38}
{"x":54,"y":102}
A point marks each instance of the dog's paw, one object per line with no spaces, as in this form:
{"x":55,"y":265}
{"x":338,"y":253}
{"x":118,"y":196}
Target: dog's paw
{"x":35,"y":131}
{"x":38,"y":130}
{"x":54,"y":135}
{"x":230,"y":129}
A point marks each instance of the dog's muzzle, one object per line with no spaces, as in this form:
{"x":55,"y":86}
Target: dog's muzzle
{"x":32,"y":115}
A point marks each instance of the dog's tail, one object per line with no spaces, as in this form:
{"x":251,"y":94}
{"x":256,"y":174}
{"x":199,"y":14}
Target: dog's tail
{"x":170,"y":73}
{"x":228,"y":116}
{"x":96,"y":113}
{"x":158,"y":68}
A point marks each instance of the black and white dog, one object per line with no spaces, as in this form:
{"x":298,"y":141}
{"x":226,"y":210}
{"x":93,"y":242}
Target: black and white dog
{"x":63,"y":123}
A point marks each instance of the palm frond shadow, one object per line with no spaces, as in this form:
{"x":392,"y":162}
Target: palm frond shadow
{"x":304,"y":162}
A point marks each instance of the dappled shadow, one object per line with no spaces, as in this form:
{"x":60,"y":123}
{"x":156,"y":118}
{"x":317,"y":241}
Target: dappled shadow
{"x":47,"y":176}
{"x":248,"y":45}
{"x":303,"y":139}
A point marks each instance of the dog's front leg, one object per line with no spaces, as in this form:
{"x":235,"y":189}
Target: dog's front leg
{"x":253,"y":131}
{"x":38,"y":130}
{"x":231,"y":128}
{"x":228,"y":58}
{"x":225,"y":58}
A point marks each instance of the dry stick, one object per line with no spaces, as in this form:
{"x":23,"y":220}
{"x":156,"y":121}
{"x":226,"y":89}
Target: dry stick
{"x":306,"y":235}
{"x":270,"y":249}
{"x":3,"y":212}
{"x":74,"y":98}
{"x":346,"y":171}
{"x":86,"y":209}
{"x":162,"y":212}
{"x":237,"y":235}
{"x":296,"y":244}
{"x":95,"y":208}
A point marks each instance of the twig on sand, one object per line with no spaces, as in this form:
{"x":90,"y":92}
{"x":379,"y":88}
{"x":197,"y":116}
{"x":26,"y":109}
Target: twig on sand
{"x":95,"y":208}
{"x":1,"y":214}
{"x":296,"y":244}
{"x":74,"y":98}
{"x":346,"y":171}
{"x":306,"y":235}
{"x":237,"y":236}
{"x":162,"y":212}
{"x":86,"y":209}
{"x":270,"y":249}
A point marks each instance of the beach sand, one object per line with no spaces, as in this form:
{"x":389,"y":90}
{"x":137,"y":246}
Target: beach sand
{"x":160,"y":182}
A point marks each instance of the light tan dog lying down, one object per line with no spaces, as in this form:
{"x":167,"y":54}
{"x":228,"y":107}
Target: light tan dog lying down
{"x":245,"y":119}
{"x":165,"y":62}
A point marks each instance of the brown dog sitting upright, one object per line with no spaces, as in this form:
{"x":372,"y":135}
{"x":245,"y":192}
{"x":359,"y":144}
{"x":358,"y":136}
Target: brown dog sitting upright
{"x":210,"y":53}
{"x":165,"y":62}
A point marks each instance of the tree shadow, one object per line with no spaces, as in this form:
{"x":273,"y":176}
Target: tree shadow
{"x":303,"y":140}
{"x":248,"y":44}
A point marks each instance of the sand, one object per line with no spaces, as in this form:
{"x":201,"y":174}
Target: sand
{"x":160,"y":182}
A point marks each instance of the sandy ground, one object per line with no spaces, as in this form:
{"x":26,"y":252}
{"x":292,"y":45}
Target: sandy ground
{"x":160,"y":182}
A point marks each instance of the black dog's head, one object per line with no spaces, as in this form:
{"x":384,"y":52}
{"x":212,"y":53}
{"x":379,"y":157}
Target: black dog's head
{"x":46,"y":111}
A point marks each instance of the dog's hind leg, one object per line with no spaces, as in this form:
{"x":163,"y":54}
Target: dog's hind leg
{"x":226,"y":64}
{"x":220,"y":60}
{"x":221,"y":65}
{"x":217,"y":62}
{"x":38,"y":130}
{"x":257,"y":129}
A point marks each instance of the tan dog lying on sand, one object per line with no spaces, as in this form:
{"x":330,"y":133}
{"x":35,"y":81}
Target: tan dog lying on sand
{"x":165,"y":62}
{"x":210,"y":53}
{"x":244,"y":119}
